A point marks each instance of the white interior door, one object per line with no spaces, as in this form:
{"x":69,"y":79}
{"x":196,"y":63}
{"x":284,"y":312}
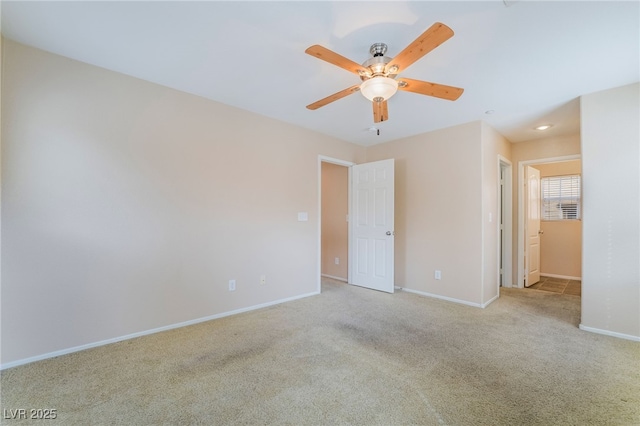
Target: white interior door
{"x":532,"y":226}
{"x":372,"y":232}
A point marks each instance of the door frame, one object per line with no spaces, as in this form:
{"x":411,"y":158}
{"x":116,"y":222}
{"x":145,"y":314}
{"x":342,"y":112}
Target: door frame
{"x":505,"y":209}
{"x":520,"y":277}
{"x":347,"y":164}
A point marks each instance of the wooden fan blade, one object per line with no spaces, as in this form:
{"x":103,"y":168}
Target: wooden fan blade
{"x":430,"y":89}
{"x":341,"y":94}
{"x":380,"y":111}
{"x":433,"y":37}
{"x":336,"y":59}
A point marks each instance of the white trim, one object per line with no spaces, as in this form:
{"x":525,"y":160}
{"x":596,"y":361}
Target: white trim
{"x":609,"y":333}
{"x":325,"y":159}
{"x":490,"y":301}
{"x":483,"y":238}
{"x":335,"y":278}
{"x":147,"y":332}
{"x":507,"y":232}
{"x":349,"y":228}
{"x":563,"y":277}
{"x":337,"y":161}
{"x":521,"y":164}
{"x":448,"y":299}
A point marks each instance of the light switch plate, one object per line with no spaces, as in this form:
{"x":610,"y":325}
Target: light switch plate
{"x":303,"y":216}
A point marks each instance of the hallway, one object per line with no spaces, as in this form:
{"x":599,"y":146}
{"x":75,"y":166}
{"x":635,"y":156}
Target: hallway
{"x":559,"y":285}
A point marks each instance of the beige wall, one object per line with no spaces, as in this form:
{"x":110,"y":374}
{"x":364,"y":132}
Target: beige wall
{"x":447,"y":210}
{"x":550,"y":147}
{"x":610,"y":127}
{"x":335,"y":228}
{"x":538,"y":149}
{"x":127,"y":206}
{"x":561,"y":241}
{"x":438,"y":218}
{"x":493,"y":146}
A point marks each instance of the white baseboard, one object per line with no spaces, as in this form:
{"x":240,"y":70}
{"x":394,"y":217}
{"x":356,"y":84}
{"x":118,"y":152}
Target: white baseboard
{"x":610,"y":333}
{"x":334,"y":277}
{"x":493,"y":299}
{"x":448,"y":299}
{"x":562,"y":277}
{"x":147,"y":332}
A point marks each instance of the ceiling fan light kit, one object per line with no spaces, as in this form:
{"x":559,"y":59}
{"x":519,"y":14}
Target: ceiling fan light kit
{"x":378,"y":89}
{"x":379,"y":73}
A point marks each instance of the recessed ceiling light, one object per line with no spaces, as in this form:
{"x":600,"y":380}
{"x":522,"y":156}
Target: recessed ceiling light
{"x":544,"y":127}
{"x":489,"y":111}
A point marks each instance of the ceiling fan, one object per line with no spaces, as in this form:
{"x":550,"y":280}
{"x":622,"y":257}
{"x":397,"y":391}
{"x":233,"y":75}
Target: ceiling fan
{"x":379,"y":73}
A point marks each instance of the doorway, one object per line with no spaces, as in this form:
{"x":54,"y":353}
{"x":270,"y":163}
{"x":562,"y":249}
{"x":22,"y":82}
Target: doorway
{"x":362,"y":255}
{"x":333,"y":220}
{"x":522,"y":251}
{"x":505,"y":223}
{"x":334,"y":224}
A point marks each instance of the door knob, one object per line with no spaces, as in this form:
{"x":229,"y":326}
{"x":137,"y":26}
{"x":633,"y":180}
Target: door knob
{"x":540,"y":232}
{"x":388,"y":232}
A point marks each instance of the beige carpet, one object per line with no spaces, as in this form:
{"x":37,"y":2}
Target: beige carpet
{"x":559,"y":285}
{"x":350,"y":356}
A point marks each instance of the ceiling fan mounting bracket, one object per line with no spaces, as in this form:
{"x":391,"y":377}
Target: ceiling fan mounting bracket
{"x":378,"y":49}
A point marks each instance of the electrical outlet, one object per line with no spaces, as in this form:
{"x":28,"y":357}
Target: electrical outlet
{"x":263,"y":279}
{"x":438,"y":275}
{"x":337,"y":260}
{"x":232,"y":285}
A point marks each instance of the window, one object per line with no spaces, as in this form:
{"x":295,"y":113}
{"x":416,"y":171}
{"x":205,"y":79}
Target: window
{"x":560,"y":197}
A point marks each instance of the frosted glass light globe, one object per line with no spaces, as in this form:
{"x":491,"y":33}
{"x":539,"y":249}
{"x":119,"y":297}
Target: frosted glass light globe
{"x":379,"y":87}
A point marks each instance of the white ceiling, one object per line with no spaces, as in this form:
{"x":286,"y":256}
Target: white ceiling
{"x":528,"y":61}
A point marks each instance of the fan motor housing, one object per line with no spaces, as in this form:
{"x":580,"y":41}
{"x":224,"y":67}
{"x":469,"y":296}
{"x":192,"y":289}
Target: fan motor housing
{"x":378,"y":62}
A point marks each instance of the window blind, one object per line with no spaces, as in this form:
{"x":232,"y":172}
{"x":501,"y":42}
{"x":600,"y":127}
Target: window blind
{"x":560,"y":197}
